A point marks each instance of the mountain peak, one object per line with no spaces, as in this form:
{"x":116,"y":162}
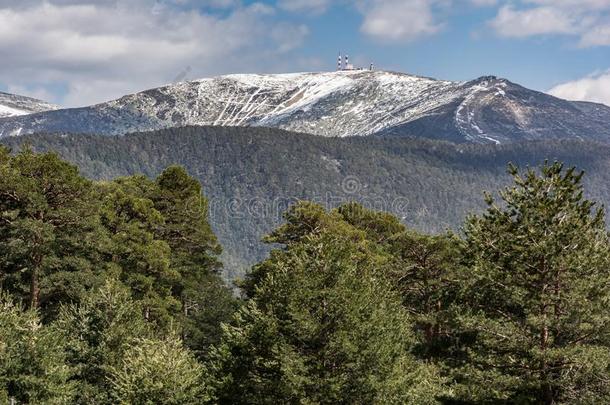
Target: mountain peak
{"x":337,"y":104}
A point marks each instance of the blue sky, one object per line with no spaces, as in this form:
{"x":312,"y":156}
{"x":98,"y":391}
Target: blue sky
{"x":78,"y":52}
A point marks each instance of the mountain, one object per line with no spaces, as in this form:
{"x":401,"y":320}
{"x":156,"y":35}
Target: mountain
{"x":12,"y":105}
{"x":338,"y":104}
{"x":251,"y":175}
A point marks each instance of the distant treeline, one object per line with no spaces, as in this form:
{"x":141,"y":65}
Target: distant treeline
{"x":251,"y":175}
{"x":110,"y":294}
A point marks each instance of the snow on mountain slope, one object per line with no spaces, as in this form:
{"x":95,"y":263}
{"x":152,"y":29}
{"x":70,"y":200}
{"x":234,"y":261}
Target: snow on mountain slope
{"x":12,"y":105}
{"x":345,"y":103}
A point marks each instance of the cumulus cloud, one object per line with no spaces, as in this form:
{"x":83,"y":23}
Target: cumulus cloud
{"x":596,"y":36}
{"x":595,"y":88}
{"x":484,"y":3}
{"x":511,"y":22}
{"x":99,"y":50}
{"x":310,"y":6}
{"x":582,"y":4}
{"x":587,"y":20}
{"x":408,"y":20}
{"x":399,"y":20}
{"x":31,"y":91}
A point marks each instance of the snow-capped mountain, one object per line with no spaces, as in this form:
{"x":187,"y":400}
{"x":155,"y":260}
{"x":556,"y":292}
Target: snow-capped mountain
{"x":12,"y":105}
{"x":343,"y":103}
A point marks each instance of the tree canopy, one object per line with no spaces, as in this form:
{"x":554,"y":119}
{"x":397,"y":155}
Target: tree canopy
{"x":110,"y":293}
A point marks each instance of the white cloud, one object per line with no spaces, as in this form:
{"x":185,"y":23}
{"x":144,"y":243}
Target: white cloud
{"x":213,"y":3}
{"x":100,"y":50}
{"x":484,"y":3}
{"x":408,"y":20}
{"x":399,"y":20}
{"x":575,"y":4}
{"x":309,"y":6}
{"x":31,"y":91}
{"x":596,"y":36}
{"x":524,"y":23}
{"x":288,"y":36}
{"x":595,"y":88}
{"x":586,"y":20}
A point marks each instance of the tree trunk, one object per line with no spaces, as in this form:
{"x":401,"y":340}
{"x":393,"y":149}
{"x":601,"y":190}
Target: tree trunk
{"x":34,"y":289}
{"x":429,"y":333}
{"x":547,"y":390}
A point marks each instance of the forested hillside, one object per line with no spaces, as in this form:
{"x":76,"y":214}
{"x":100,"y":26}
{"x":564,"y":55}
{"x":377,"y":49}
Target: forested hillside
{"x":109,"y":294}
{"x":251,"y":175}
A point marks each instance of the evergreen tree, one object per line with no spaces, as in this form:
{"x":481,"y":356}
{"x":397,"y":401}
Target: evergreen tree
{"x":538,"y":293}
{"x":425,"y":270}
{"x":204,"y":298}
{"x":166,"y":252}
{"x":428,"y":273}
{"x":33,"y":367}
{"x":61,"y":236}
{"x":142,"y":260}
{"x":49,"y":230}
{"x":322,"y":325}
{"x":99,"y":331}
{"x":159,"y":371}
{"x":381,"y":228}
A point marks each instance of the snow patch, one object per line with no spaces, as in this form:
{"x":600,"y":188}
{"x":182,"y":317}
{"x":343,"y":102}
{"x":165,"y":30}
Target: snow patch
{"x":6,"y":111}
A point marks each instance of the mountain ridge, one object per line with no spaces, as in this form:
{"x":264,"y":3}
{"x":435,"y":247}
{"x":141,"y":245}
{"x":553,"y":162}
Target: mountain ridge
{"x":12,"y":105}
{"x":337,"y":104}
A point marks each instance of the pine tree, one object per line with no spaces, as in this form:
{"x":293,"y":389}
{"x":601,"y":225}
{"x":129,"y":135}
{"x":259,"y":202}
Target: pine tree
{"x":49,"y":230}
{"x":323,"y":324}
{"x":99,"y":331}
{"x":142,"y":260}
{"x":166,"y":252}
{"x":159,"y":371}
{"x":538,"y":293}
{"x":33,"y":367}
{"x":205,"y":299}
{"x":425,"y":270}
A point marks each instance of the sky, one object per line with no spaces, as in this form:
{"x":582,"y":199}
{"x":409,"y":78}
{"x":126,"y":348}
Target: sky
{"x":81,"y":52}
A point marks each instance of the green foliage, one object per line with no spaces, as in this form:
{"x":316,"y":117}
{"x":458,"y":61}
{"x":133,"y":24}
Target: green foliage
{"x":381,"y":228}
{"x":205,"y":302}
{"x":539,"y":289}
{"x":425,"y":270}
{"x":99,"y":331}
{"x":428,"y":274}
{"x":159,"y":371}
{"x":61,"y":235}
{"x":108,"y":263}
{"x":323,"y":324}
{"x":49,"y":232}
{"x":32,"y":358}
{"x":144,"y":259}
{"x":251,"y":175}
{"x":168,"y":252}
{"x":125,"y":303}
